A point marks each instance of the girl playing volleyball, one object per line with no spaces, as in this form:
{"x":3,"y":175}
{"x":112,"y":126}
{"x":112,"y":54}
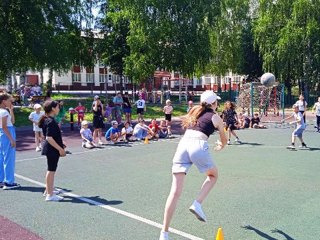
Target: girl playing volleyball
{"x":193,"y":148}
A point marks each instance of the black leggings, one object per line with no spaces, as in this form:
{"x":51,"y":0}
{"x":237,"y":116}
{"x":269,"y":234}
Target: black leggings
{"x":304,"y":116}
{"x":52,"y":162}
{"x":318,"y":122}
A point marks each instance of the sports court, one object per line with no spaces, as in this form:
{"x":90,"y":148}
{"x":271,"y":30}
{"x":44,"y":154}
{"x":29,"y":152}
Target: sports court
{"x":264,"y":191}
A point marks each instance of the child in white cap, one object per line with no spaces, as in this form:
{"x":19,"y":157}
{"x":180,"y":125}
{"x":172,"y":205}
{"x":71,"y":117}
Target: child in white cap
{"x":34,"y":117}
{"x":167,"y":109}
{"x":193,"y":148}
{"x":86,"y":135}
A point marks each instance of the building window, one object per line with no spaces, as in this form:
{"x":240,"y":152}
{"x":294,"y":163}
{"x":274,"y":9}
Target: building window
{"x":76,"y":77}
{"x":89,"y":77}
{"x":103,"y":78}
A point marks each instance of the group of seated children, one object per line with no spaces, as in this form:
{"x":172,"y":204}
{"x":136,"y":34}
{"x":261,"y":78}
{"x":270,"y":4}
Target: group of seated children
{"x":113,"y":135}
{"x":245,"y":122}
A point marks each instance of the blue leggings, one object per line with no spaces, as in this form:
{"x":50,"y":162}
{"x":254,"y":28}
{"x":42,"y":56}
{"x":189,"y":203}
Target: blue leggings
{"x":7,"y":156}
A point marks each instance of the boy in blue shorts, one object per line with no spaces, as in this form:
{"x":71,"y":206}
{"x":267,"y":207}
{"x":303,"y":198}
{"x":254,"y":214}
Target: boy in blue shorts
{"x":300,"y":127}
{"x":113,"y":134}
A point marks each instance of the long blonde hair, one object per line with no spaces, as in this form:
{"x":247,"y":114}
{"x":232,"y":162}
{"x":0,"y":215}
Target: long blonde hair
{"x":193,"y":115}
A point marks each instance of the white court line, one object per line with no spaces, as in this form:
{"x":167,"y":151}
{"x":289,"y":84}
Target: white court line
{"x":115,"y":210}
{"x":96,"y":149}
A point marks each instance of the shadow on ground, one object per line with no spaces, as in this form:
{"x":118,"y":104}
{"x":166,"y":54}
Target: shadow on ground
{"x":267,"y":236}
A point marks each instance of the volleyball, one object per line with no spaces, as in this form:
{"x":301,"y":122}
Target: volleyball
{"x":268,"y":79}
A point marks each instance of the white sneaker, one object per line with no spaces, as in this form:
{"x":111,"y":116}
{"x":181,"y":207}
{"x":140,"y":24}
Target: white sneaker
{"x":53,"y":198}
{"x":228,"y":142}
{"x":237,"y":140}
{"x":291,"y":147}
{"x":196,"y":209}
{"x":100,"y":142}
{"x":55,"y":192}
{"x":164,"y":236}
{"x":38,"y":149}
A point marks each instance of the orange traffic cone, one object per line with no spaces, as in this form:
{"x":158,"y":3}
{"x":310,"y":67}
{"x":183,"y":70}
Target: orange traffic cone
{"x":146,"y":140}
{"x":219,"y":234}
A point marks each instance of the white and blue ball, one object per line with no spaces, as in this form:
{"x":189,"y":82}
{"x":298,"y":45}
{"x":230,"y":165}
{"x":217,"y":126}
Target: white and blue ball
{"x":268,"y":79}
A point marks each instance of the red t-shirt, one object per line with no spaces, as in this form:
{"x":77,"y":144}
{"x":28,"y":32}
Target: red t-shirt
{"x":80,"y":110}
{"x":156,"y":127}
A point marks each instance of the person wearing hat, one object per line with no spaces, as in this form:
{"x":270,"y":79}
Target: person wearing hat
{"x":167,"y":109}
{"x":86,"y":135}
{"x":34,"y":117}
{"x":193,"y":148}
{"x":113,"y":134}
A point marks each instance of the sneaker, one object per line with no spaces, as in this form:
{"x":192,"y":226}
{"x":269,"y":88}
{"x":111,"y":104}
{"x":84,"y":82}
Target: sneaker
{"x":164,"y":236}
{"x":1,"y":184}
{"x":55,"y":192}
{"x":38,"y":149}
{"x":228,"y":142}
{"x":8,"y":186}
{"x":100,"y":142}
{"x":83,"y":144}
{"x":302,"y":147}
{"x":237,"y":140}
{"x":196,"y":209}
{"x":53,"y":198}
{"x":291,"y":147}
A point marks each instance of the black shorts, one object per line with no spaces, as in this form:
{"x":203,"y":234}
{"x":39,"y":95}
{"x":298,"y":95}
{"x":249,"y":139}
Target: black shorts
{"x":231,"y":126}
{"x":168,"y":117}
{"x":140,"y":110}
{"x":98,"y":122}
{"x":52,"y":162}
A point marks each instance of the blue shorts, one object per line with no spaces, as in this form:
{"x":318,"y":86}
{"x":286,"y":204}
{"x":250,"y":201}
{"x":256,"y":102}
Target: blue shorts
{"x":127,"y":110}
{"x":298,"y":131}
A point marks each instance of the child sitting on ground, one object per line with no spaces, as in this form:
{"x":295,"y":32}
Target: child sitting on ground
{"x":142,"y":131}
{"x":163,"y":131}
{"x":255,"y":122}
{"x":155,"y":129}
{"x":86,"y":135}
{"x":113,"y":134}
{"x":127,"y":132}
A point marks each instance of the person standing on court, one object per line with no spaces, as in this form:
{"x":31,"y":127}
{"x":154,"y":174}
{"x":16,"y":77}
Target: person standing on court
{"x":141,"y":104}
{"x":193,"y":148}
{"x":302,"y":104}
{"x":98,"y":124}
{"x":7,"y":143}
{"x":53,"y":146}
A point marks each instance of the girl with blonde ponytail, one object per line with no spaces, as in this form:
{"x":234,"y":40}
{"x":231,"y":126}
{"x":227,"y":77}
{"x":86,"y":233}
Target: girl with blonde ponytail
{"x":200,"y":122}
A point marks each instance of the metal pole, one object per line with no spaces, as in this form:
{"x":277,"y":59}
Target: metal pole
{"x":282,"y":100}
{"x":251,"y":98}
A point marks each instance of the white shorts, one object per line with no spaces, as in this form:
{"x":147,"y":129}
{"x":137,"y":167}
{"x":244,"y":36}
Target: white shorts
{"x":37,"y":129}
{"x":193,"y":148}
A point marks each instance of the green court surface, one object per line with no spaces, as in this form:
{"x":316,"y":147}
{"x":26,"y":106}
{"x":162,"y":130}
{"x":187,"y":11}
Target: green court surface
{"x":264,"y":191}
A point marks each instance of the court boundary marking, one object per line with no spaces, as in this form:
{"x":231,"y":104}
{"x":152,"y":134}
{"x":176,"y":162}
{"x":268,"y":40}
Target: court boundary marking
{"x":114,"y":210}
{"x":108,"y":147}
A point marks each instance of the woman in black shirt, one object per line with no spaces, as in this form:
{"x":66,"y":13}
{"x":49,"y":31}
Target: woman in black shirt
{"x":53,"y":146}
{"x":98,"y":124}
{"x":127,"y":107}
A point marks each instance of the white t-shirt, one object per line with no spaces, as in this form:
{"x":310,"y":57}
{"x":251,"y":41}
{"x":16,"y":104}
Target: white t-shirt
{"x":141,"y":103}
{"x":167,"y":109}
{"x":86,"y":132}
{"x":317,"y":106}
{"x":5,"y":113}
{"x":137,"y":128}
{"x":302,"y":105}
{"x":129,"y":130}
{"x":34,"y":116}
{"x":299,"y":117}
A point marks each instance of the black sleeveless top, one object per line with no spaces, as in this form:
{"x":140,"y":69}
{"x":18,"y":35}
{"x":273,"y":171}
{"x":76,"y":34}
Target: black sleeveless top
{"x":204,"y":123}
